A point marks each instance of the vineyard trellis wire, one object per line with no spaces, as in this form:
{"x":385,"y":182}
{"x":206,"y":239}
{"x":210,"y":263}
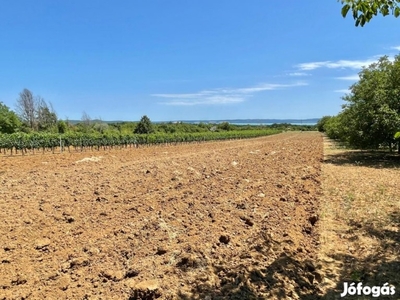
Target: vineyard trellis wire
{"x":33,"y":142}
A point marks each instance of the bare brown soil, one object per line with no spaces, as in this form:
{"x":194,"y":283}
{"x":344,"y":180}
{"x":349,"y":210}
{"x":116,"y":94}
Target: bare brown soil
{"x":218,"y":220}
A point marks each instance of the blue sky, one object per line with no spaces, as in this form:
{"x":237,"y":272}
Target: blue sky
{"x":187,"y":60}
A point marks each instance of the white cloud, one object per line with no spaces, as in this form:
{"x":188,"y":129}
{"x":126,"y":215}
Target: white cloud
{"x":299,"y":74}
{"x":312,"y":65}
{"x":396,"y":48}
{"x":351,"y":77}
{"x":184,"y":96}
{"x":221,"y":96}
{"x":206,"y":101}
{"x":340,"y":64}
{"x":267,"y":87}
{"x":344,"y":91}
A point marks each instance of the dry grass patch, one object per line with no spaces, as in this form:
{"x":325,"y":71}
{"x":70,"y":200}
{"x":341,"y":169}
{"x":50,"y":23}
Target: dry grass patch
{"x":360,"y":218}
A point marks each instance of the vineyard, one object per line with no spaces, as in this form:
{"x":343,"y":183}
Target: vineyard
{"x":25,"y":143}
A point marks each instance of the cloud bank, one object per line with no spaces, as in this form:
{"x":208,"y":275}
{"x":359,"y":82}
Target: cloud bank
{"x":343,"y":91}
{"x":340,"y":64}
{"x":354,"y":77}
{"x":298,"y":74}
{"x":221,"y":96}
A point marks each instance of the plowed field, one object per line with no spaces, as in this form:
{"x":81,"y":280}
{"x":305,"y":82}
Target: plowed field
{"x":217,"y":220}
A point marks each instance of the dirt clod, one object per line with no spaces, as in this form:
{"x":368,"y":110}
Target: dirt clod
{"x":41,"y":244}
{"x":224,"y":239}
{"x":146,"y":290}
{"x":113,"y":275}
{"x":313,"y":219}
{"x":131,"y":273}
{"x":161,"y":250}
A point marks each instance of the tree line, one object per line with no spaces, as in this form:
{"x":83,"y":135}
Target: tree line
{"x":32,"y":114}
{"x":370,"y":118}
{"x":34,"y":127}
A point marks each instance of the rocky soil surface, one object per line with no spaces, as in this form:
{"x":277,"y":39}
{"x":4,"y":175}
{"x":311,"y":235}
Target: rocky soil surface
{"x":217,"y":220}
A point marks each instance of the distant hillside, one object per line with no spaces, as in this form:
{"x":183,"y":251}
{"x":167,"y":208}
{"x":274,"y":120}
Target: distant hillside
{"x":237,"y":121}
{"x":259,"y":121}
{"x":97,"y":121}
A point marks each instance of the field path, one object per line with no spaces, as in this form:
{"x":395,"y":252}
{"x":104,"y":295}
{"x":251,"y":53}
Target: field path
{"x":359,"y":220}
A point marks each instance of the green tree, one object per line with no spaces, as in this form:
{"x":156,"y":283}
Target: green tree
{"x":86,"y":123}
{"x":102,"y":127}
{"x":224,"y":126}
{"x":364,"y":10}
{"x":144,"y":126}
{"x":397,"y":139}
{"x":62,"y":126}
{"x":372,"y":111}
{"x":127,"y":127}
{"x":321,"y":123}
{"x":45,"y":115}
{"x":35,"y":113}
{"x":9,"y":121}
{"x":335,"y":127}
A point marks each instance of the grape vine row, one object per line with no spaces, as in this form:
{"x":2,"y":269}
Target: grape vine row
{"x":24,"y":143}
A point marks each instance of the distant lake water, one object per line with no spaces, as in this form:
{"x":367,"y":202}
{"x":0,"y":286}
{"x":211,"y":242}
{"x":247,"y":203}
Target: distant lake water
{"x":252,"y":123}
{"x":265,"y":124}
